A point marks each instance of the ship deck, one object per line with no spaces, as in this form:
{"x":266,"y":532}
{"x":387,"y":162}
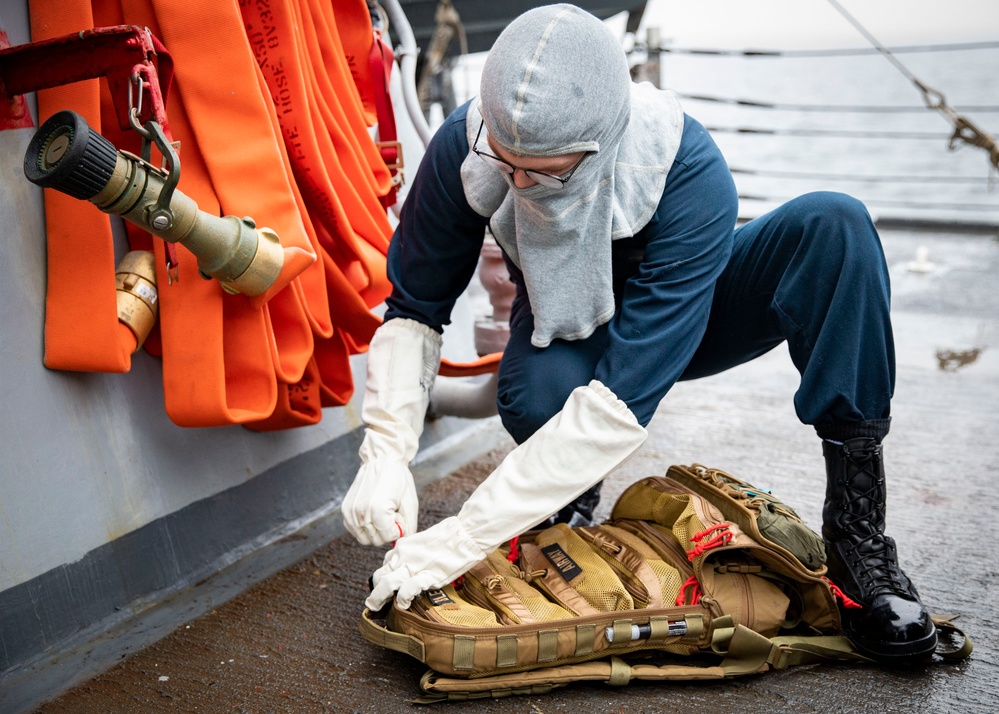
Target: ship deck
{"x":277,"y":632}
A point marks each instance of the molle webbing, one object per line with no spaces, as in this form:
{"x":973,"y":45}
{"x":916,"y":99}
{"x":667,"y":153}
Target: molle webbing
{"x":486,"y":651}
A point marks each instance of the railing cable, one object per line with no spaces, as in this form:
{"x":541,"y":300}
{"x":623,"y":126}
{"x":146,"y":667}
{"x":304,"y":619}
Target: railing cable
{"x":771,"y":173}
{"x":826,"y":108}
{"x":841,"y":133}
{"x":843,"y":52}
{"x":964,"y":129}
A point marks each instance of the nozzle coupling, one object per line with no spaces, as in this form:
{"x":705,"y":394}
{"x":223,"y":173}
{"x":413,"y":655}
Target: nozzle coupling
{"x":137,"y":296}
{"x":67,"y":155}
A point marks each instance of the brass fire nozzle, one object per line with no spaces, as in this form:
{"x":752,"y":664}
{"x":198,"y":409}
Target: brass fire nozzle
{"x":69,"y":156}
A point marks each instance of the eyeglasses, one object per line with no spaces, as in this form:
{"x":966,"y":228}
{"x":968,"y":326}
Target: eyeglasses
{"x":545,"y":179}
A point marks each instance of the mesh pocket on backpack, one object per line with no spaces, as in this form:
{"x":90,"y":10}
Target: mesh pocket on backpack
{"x":447,"y":605}
{"x":583,"y":569}
{"x":649,"y":500}
{"x":501,"y":586}
{"x":651,"y":581}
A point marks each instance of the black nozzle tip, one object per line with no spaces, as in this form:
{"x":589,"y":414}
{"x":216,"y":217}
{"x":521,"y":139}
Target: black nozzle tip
{"x":69,"y":156}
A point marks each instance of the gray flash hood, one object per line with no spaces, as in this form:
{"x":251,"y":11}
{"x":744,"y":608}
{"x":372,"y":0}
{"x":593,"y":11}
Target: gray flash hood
{"x":557,"y":82}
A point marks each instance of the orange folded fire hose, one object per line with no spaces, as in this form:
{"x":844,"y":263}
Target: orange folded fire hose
{"x":82,"y":331}
{"x":327,"y":138}
{"x":272,"y":125}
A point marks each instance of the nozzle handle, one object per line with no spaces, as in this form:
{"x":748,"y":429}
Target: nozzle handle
{"x":69,"y":156}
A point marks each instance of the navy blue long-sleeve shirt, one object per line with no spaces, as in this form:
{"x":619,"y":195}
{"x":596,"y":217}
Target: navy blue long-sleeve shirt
{"x":664,"y":275}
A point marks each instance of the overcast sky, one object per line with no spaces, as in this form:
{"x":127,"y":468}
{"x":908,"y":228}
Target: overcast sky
{"x":787,"y":24}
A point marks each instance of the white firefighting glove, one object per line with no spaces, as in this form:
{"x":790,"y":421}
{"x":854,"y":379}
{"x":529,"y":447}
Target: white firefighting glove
{"x":403,"y":359}
{"x":593,"y":434}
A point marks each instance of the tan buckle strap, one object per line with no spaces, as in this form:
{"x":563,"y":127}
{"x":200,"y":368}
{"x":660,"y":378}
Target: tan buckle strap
{"x":396,"y":641}
{"x":391,"y":152}
{"x":620,"y":672}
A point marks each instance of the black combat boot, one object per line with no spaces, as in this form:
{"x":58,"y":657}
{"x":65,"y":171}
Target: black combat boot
{"x":891,"y":624}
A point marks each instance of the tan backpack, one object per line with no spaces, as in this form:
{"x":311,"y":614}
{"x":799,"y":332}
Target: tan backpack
{"x":697,"y":575}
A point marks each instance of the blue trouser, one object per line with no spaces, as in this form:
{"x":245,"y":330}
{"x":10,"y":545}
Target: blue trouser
{"x":810,"y":273}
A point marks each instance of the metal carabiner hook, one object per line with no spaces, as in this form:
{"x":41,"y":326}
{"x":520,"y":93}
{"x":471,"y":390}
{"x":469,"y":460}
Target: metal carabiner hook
{"x":134,"y":111}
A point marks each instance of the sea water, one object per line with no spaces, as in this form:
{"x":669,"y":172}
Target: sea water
{"x":898,"y":162}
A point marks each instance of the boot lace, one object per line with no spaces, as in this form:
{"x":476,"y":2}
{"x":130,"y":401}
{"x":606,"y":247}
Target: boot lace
{"x":874,"y":561}
{"x":871,"y":554}
{"x":863,"y":491}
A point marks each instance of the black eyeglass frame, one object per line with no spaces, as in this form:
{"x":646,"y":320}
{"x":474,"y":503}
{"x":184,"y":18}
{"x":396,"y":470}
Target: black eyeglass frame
{"x":541,"y":177}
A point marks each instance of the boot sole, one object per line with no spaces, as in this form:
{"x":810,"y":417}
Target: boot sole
{"x":914,"y":652}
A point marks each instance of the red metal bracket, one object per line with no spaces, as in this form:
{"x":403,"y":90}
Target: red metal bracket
{"x":124,"y":54}
{"x":14,"y":112}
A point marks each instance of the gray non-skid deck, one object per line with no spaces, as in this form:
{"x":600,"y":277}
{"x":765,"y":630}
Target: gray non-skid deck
{"x":290,"y":644}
